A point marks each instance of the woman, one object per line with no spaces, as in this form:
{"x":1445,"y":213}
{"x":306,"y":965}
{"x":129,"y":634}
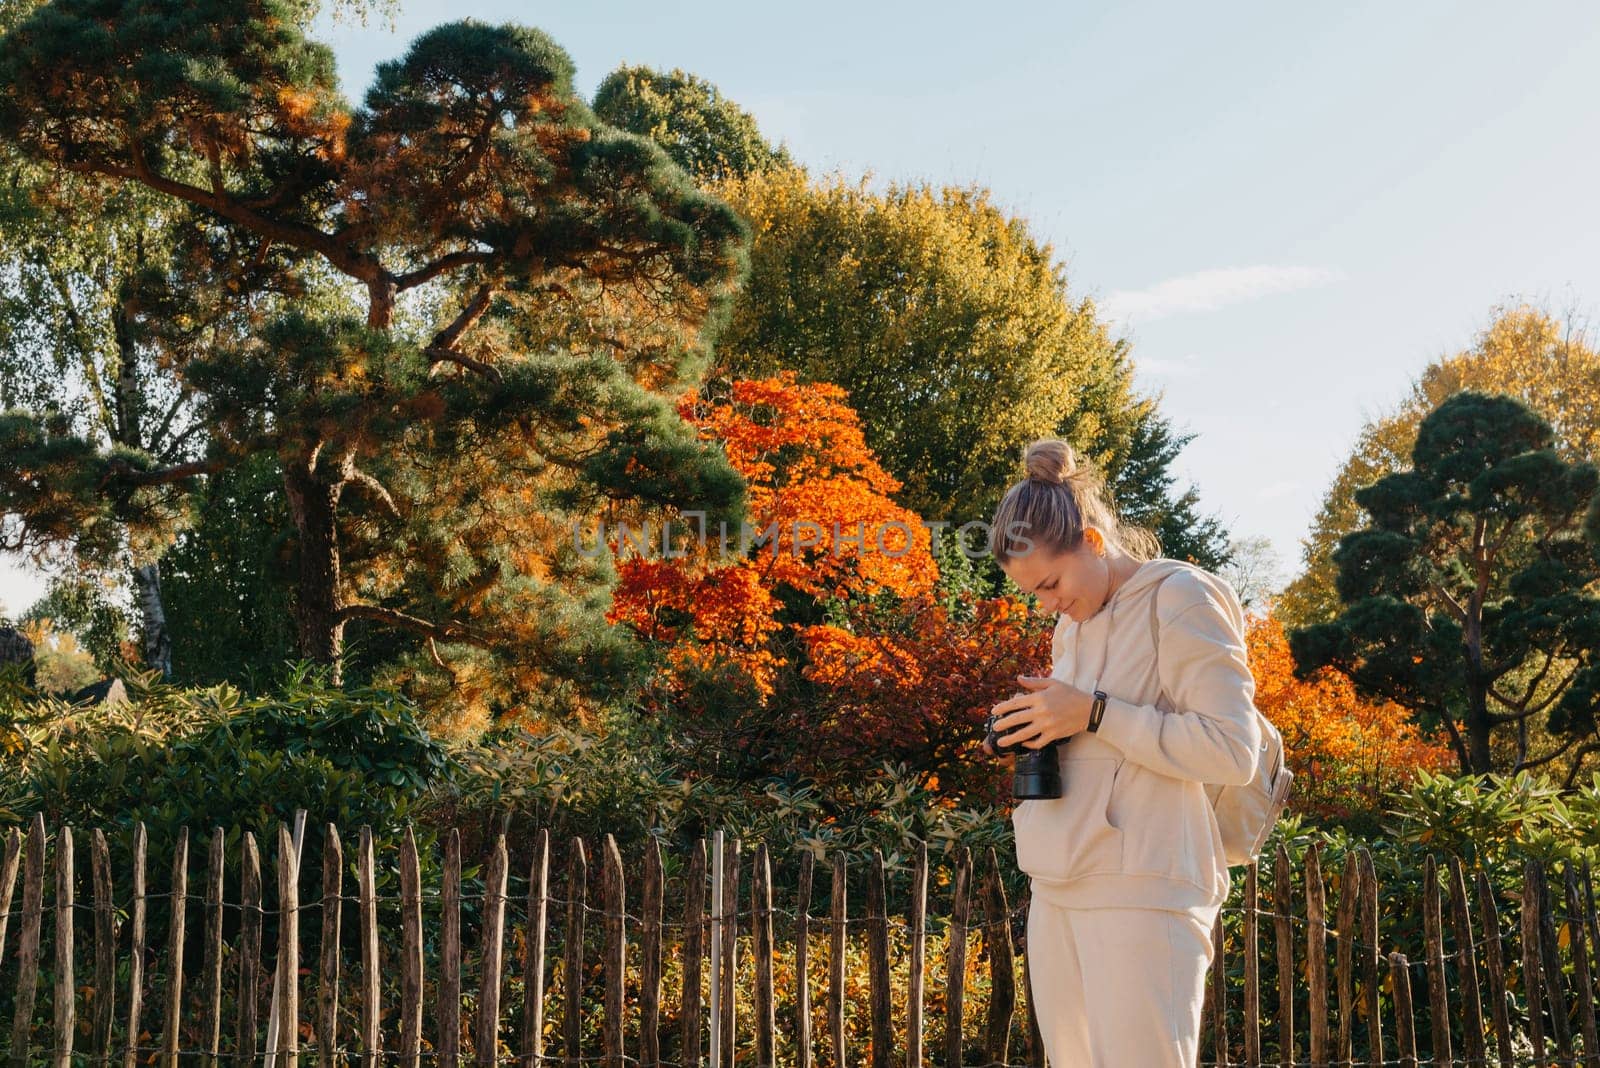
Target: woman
{"x":1127,"y":865}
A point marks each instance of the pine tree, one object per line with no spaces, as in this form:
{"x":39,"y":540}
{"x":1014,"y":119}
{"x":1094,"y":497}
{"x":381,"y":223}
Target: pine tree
{"x":1468,"y":598}
{"x":459,"y":314}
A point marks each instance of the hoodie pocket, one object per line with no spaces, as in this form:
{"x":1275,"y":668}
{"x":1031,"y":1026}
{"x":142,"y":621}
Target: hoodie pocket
{"x":1166,"y":824}
{"x":1064,"y":837}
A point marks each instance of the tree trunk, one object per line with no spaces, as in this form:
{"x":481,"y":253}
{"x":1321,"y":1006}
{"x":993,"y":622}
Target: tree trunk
{"x":157,"y":639}
{"x":314,"y":506}
{"x":1478,"y":729}
{"x":128,"y":429}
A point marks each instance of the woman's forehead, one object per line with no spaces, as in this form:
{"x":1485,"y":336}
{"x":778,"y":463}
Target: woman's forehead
{"x":1028,"y":568}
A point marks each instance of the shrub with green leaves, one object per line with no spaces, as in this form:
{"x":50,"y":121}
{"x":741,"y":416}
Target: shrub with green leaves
{"x":202,"y":758}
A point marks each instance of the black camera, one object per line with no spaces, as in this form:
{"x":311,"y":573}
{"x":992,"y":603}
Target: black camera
{"x":1037,"y":774}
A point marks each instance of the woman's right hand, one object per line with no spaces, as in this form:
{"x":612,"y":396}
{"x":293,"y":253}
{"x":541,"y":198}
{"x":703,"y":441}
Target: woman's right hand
{"x":988,"y":747}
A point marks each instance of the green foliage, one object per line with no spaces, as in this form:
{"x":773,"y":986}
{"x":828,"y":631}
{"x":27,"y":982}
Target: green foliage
{"x":173,"y":758}
{"x":1499,"y":821}
{"x":952,"y":330}
{"x":708,"y":135}
{"x":226,"y":583}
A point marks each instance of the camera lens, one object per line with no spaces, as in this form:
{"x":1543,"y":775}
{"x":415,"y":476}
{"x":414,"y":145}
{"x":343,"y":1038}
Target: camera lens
{"x":1037,"y":774}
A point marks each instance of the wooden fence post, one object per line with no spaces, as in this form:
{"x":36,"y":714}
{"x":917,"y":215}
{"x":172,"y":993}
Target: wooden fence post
{"x":1405,"y":1035}
{"x":178,"y":905}
{"x":878,"y":963}
{"x":761,"y":935}
{"x":614,"y":965}
{"x":694,"y":953}
{"x":66,"y":994}
{"x":211,"y":966}
{"x":650,"y":959}
{"x":250,"y":923}
{"x":1438,"y":1004}
{"x":1466,"y":966}
{"x":1344,"y":953}
{"x":919,"y":949}
{"x":802,"y":958}
{"x":105,"y":948}
{"x":956,"y":960}
{"x":1494,"y":965}
{"x":28,"y":943}
{"x":534,"y":952}
{"x":1252,"y":971}
{"x":328,"y":965}
{"x":486,"y":1033}
{"x":1283,"y":936}
{"x":1317,"y":956}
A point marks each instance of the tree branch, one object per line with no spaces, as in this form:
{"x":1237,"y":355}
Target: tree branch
{"x":357,"y":265}
{"x":376,"y":488}
{"x":488,"y":370}
{"x":1455,"y":738}
{"x":1552,"y":755}
{"x":80,"y":330}
{"x":446,"y":338}
{"x":1450,"y":602}
{"x":405,"y":621}
{"x":121,"y":469}
{"x":1577,"y":762}
{"x":428,"y":272}
{"x":475,"y":151}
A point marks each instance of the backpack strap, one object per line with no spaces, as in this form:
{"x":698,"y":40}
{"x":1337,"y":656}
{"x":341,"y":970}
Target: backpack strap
{"x":1155,"y":619}
{"x":1155,"y":629}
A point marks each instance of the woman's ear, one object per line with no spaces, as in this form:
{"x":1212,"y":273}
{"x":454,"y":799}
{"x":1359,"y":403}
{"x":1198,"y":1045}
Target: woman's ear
{"x":1096,"y":540}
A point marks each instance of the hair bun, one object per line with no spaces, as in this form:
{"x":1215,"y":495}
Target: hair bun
{"x":1050,"y":460}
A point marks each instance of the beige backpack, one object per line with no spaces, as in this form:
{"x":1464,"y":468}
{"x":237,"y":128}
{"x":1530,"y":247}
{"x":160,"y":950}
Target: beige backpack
{"x":1246,"y":813}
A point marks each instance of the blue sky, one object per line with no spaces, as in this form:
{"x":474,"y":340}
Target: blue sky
{"x":1289,"y":209}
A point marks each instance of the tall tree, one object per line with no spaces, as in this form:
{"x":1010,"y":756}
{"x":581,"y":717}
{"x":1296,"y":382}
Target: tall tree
{"x":708,"y":135}
{"x":72,"y":253}
{"x":570,"y":276}
{"x":1549,"y":362}
{"x":1467,"y":598}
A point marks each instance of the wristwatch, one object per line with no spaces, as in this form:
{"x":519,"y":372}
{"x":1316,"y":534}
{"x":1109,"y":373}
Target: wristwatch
{"x":1097,"y":710}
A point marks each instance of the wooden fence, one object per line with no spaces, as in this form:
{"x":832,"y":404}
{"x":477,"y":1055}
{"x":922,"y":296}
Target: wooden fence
{"x":139,"y":1005}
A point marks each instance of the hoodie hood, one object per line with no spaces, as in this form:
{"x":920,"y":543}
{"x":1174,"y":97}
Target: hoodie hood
{"x":1149,"y":574}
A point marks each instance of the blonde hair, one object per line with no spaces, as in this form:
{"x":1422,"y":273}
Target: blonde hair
{"x":1061,"y":496}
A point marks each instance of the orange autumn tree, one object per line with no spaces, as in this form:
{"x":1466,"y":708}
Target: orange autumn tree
{"x":829,"y":647}
{"x":1345,"y":751}
{"x":819,"y":507}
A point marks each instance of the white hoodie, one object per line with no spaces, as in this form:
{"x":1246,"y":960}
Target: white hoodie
{"x":1134,"y":827}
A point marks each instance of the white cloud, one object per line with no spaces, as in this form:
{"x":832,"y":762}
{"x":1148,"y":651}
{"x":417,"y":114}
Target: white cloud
{"x":1209,"y":290}
{"x":1277,"y":489}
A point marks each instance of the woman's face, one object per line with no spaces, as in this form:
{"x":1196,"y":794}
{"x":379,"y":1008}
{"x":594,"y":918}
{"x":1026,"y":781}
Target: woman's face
{"x":1075,"y":582}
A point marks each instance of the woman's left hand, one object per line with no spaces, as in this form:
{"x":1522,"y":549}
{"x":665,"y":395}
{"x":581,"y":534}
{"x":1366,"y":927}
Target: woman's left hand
{"x":1050,"y":711}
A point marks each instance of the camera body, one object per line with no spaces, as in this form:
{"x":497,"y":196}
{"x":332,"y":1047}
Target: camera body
{"x":1037,"y":773}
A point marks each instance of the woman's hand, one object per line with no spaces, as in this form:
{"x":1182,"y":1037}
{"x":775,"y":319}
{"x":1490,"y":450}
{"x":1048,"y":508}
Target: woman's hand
{"x":1049,"y":711}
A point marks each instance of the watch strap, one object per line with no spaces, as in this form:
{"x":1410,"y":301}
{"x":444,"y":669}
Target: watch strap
{"x":1097,"y":710}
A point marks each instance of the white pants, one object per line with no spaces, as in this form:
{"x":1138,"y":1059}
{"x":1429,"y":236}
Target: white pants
{"x":1118,"y":988}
